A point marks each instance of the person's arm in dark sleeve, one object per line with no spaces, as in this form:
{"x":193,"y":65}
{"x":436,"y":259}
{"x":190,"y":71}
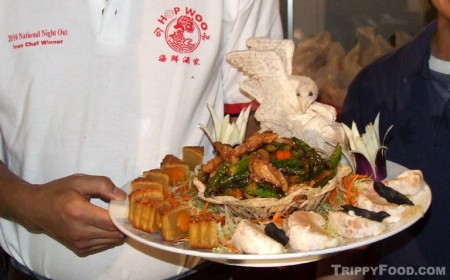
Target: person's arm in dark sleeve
{"x":362,"y":103}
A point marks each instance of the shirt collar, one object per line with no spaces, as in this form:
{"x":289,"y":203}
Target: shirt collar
{"x":419,"y":47}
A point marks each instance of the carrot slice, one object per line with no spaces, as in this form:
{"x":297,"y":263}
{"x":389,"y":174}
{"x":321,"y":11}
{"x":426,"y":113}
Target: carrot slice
{"x":238,"y":194}
{"x":283,"y":154}
{"x":205,"y":207}
{"x":332,"y":197}
{"x":277,"y":218}
{"x":351,"y":192}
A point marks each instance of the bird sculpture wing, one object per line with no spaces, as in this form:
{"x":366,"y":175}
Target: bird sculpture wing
{"x":267,"y":63}
{"x":287,"y":102}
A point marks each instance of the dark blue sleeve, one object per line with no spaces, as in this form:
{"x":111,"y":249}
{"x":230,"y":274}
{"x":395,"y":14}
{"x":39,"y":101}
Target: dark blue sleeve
{"x":362,"y":103}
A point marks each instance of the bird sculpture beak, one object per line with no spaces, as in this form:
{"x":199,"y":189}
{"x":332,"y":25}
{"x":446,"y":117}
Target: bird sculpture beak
{"x":303,"y":105}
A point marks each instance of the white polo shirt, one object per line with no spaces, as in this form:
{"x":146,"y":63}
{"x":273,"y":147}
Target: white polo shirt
{"x":109,"y":88}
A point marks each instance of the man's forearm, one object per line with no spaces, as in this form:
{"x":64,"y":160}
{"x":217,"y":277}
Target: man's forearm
{"x":13,"y":195}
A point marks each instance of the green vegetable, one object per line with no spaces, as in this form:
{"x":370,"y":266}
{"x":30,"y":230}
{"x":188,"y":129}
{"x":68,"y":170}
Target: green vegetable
{"x":212,"y":186}
{"x":316,"y":163}
{"x":238,"y":180}
{"x":327,"y":176}
{"x":335,"y":157}
{"x":288,"y":163}
{"x":265,"y":191}
{"x":240,"y":166}
{"x":270,"y":148}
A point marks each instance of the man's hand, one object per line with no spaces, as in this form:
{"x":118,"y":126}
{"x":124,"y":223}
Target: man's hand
{"x":62,"y":210}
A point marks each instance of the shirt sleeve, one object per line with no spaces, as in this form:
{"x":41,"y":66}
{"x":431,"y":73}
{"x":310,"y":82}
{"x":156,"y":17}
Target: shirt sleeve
{"x":366,"y":97}
{"x":245,"y":19}
{"x":350,"y":111}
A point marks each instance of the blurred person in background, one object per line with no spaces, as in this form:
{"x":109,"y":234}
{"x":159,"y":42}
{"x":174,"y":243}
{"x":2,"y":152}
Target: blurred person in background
{"x":410,"y":88}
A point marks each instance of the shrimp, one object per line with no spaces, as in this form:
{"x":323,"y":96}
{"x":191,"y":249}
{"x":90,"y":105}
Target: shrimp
{"x":352,"y":227}
{"x":306,"y":231}
{"x":251,"y":239}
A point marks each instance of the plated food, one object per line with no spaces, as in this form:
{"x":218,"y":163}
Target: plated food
{"x":269,"y":195}
{"x":267,"y":175}
{"x":118,"y":211}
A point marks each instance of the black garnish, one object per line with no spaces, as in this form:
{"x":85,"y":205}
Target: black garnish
{"x":371,"y":215}
{"x":391,"y":195}
{"x":276,"y":234}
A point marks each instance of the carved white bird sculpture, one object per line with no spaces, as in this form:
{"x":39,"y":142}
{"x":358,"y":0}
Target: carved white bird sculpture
{"x":287,"y":102}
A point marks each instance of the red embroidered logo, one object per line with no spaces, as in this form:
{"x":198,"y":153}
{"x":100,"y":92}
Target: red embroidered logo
{"x":183,"y":30}
{"x":185,"y":35}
